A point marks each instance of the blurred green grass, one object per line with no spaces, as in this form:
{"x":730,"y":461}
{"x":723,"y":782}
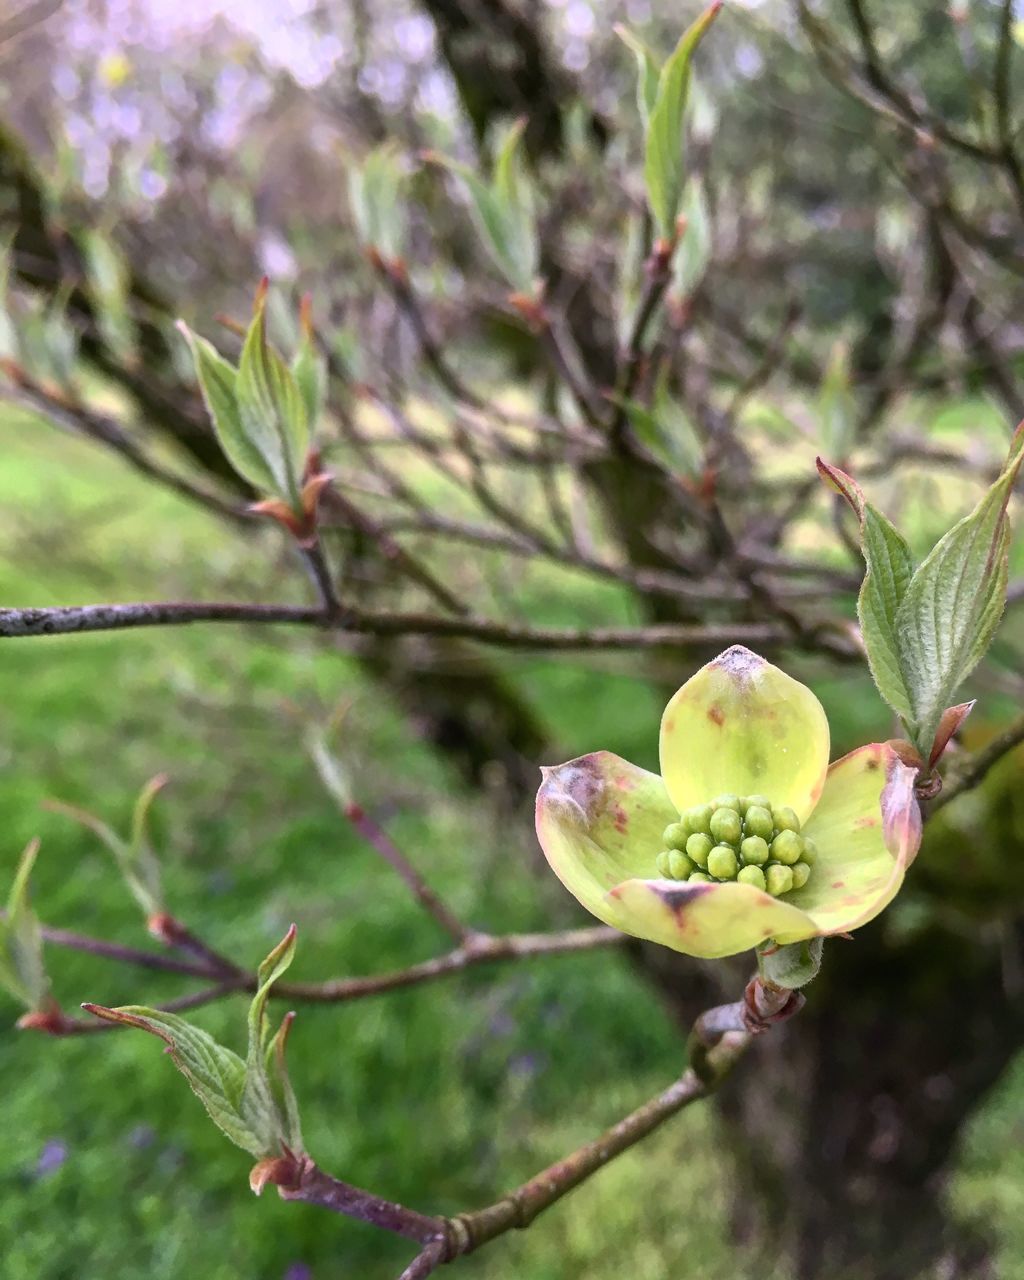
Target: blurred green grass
{"x":440,"y":1096}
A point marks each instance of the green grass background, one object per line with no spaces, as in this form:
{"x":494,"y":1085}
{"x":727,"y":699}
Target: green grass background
{"x":440,"y":1096}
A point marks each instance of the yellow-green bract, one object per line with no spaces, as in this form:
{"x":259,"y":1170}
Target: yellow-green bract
{"x":741,"y":726}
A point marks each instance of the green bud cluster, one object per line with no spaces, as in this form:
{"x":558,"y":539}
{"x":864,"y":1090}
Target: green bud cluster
{"x":742,"y":838}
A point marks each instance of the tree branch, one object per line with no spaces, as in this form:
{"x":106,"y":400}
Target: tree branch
{"x":475,"y":949}
{"x":968,"y":771}
{"x":65,"y":620}
{"x":723,"y":1035}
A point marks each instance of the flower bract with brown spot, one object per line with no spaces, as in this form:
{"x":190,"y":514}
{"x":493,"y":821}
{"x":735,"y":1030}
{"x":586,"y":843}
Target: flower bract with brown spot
{"x":797,"y":849}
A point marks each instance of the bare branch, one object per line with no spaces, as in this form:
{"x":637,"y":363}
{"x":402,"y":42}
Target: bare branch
{"x":20,"y":623}
{"x":970,"y":770}
{"x":723,"y":1035}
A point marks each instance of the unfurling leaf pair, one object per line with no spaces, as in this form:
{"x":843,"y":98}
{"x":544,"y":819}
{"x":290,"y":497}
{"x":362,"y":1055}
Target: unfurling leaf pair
{"x":249,"y":1099}
{"x":503,"y":210}
{"x":662,"y":95}
{"x":264,"y":413}
{"x":134,"y":856}
{"x":926,"y":628}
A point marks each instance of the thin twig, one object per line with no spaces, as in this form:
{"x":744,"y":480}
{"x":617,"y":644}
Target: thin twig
{"x":425,"y":1263}
{"x":475,"y":949}
{"x":67,"y":1026}
{"x":375,"y":835}
{"x":478,"y":949}
{"x":122,"y":954}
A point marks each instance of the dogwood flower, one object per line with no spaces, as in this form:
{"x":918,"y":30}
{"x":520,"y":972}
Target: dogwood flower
{"x":748,"y":834}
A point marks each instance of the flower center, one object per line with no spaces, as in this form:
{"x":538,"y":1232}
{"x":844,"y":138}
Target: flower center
{"x":744,"y":838}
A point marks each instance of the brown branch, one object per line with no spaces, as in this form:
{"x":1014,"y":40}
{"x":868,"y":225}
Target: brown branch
{"x":970,"y":770}
{"x":475,"y":949}
{"x":78,"y":419}
{"x":375,"y":836}
{"x":658,"y":275}
{"x":122,"y":954}
{"x":653,"y":581}
{"x":425,"y":1263}
{"x":63,"y":1025}
{"x":478,"y":949}
{"x":65,"y":620}
{"x":723,"y":1035}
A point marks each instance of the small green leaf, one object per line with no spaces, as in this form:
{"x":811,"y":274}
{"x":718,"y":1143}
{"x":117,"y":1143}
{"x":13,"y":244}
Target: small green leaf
{"x":663,"y":163}
{"x":631,"y":254}
{"x":375,"y":198}
{"x":514,"y":194}
{"x":648,"y":68}
{"x":693,"y":255}
{"x":215,"y":1074}
{"x":271,"y":409}
{"x":217,"y":381}
{"x":22,"y":971}
{"x":277,"y":1072}
{"x":953,"y":604}
{"x":264,"y":1090}
{"x":276,"y":963}
{"x":107,"y":283}
{"x":309,"y":368}
{"x":503,"y":211}
{"x":667,"y":430}
{"x":134,"y":857}
{"x":258,"y":1113}
{"x":890,"y":567}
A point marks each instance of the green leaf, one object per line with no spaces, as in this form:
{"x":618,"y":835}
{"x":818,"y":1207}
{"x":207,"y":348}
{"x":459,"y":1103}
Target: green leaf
{"x":268,"y":973}
{"x":503,"y":211}
{"x":890,"y":567}
{"x":284,"y":1094}
{"x":108,"y":285}
{"x":309,"y":369}
{"x":663,"y":163}
{"x":375,"y":198}
{"x":264,"y":1090}
{"x":134,"y":857}
{"x":667,"y":430}
{"x":22,"y":971}
{"x":514,"y":194}
{"x":217,"y":381}
{"x":216,"y":1075}
{"x":953,"y":604}
{"x":271,"y":409}
{"x":693,"y":254}
{"x":837,"y":406}
{"x":630,"y":274}
{"x":648,"y":68}
{"x":258,"y":1113}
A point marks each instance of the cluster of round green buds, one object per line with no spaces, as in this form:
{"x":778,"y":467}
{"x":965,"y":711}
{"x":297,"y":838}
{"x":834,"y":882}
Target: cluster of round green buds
{"x":743,"y":838}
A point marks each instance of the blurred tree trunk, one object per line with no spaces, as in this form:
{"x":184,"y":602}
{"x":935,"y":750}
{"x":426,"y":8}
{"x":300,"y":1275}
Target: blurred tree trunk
{"x":846,"y":1122}
{"x":503,"y":68}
